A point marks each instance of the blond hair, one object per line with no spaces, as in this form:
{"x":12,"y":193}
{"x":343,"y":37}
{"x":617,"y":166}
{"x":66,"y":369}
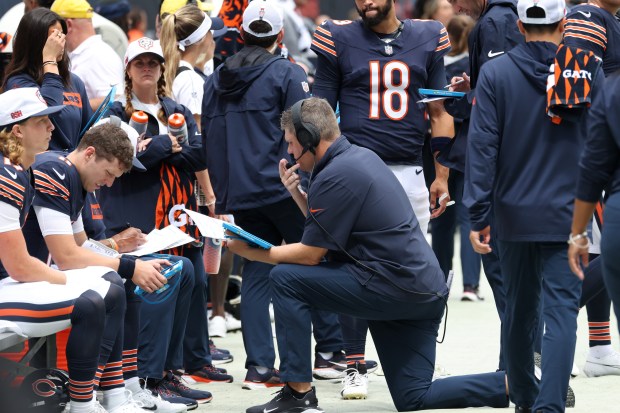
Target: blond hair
{"x":175,"y":27}
{"x":11,"y":147}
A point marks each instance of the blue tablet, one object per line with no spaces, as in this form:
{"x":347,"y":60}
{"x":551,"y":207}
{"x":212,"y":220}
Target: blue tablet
{"x":252,"y":240}
{"x":440,"y":93}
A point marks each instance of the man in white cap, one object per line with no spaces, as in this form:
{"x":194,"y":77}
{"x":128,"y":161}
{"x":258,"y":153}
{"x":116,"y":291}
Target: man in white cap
{"x":527,"y":131}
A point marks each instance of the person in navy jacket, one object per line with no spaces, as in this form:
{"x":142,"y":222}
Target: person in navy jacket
{"x":521,"y":156}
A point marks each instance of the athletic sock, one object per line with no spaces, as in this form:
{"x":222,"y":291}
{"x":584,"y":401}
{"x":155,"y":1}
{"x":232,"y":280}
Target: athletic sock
{"x":133,"y":384}
{"x":601,"y":351}
{"x":81,"y":407}
{"x":599,"y":333}
{"x":297,"y":394}
{"x":327,"y":356}
{"x":357,"y":361}
{"x":113,"y":398}
{"x":261,"y":369}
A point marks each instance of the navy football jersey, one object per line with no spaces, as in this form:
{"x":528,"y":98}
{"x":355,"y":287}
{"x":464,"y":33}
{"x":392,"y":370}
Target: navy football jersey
{"x":17,"y":191}
{"x":592,"y":28}
{"x":57,"y":186}
{"x":378,"y":81}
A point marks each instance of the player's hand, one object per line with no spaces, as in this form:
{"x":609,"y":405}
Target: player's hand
{"x":147,"y":274}
{"x":129,"y":239}
{"x":480,"y":240}
{"x":237,"y":246}
{"x":460,"y":83}
{"x":577,"y":257}
{"x":290,"y":178}
{"x":439,"y":197}
{"x":54,"y":47}
{"x":176,"y":146}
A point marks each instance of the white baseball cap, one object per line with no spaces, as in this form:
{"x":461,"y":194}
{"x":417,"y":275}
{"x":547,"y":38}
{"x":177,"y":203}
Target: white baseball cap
{"x":22,"y":103}
{"x":141,"y":46}
{"x":265,"y":10}
{"x":541,"y":11}
{"x":132,"y":134}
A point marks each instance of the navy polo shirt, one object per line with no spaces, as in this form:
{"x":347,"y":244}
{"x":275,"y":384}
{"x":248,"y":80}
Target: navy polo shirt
{"x":364,"y":210}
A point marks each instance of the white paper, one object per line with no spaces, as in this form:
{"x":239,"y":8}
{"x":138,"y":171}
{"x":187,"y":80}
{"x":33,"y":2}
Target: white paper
{"x":208,"y":227}
{"x":432,"y":99}
{"x":162,"y":239}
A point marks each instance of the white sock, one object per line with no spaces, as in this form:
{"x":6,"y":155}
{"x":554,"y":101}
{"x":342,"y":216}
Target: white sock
{"x":261,"y":369}
{"x":81,"y":407}
{"x":133,"y":384}
{"x":601,"y":351}
{"x":113,"y":398}
{"x":327,"y":356}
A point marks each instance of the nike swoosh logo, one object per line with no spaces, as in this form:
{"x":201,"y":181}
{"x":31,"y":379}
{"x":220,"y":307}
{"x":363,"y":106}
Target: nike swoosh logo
{"x":586,"y":15}
{"x":151,"y":408}
{"x":493,"y":54}
{"x":270,"y":410}
{"x":314,"y":211}
{"x":13,"y":174}
{"x":418,"y":171}
{"x":61,"y":176}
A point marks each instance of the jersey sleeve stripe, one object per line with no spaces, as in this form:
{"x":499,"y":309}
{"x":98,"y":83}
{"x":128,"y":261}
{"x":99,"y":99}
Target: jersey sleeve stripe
{"x":322,"y":30}
{"x":582,"y":29}
{"x":52,"y":193}
{"x":584,"y":37}
{"x":598,"y":27}
{"x":324,"y":40}
{"x":12,"y":183}
{"x":45,"y":177}
{"x":324,"y":48}
{"x":442,"y":47}
{"x":11,"y":194}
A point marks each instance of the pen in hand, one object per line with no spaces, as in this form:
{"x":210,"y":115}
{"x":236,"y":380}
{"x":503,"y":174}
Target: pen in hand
{"x":455,"y":83}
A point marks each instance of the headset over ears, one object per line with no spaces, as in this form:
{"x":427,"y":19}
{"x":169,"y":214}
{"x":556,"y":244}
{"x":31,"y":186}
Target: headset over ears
{"x":307,"y":134}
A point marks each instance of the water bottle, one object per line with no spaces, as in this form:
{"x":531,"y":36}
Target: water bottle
{"x":139,"y":121}
{"x":177,"y":127}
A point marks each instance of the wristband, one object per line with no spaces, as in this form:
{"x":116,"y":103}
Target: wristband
{"x":113,"y":244}
{"x":50,"y":62}
{"x":126,"y":267}
{"x":210,"y":203}
{"x":573,"y":238}
{"x":439,"y":143}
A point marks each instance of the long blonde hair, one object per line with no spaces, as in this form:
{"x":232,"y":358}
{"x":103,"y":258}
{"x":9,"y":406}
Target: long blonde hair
{"x":11,"y":147}
{"x":178,"y":26}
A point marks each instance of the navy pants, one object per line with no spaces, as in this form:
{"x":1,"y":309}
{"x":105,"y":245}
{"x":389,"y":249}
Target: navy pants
{"x":404,"y":333}
{"x":610,"y":239}
{"x":162,"y":326}
{"x":535,"y":271}
{"x":281,"y":221}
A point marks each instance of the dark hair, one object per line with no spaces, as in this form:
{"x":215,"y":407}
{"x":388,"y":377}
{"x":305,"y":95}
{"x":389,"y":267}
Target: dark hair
{"x":541,"y":28}
{"x":110,"y":143}
{"x":259,"y":26}
{"x":28,"y":44}
{"x":45,"y":3}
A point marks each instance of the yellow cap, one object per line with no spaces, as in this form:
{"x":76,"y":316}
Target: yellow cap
{"x":72,"y":9}
{"x":171,"y":6}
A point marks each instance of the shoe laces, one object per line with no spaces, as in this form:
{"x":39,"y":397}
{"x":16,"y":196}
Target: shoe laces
{"x":176,"y":382}
{"x":353,"y":378}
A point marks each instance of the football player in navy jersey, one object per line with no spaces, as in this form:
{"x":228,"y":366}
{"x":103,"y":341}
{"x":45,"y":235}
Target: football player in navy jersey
{"x":40,"y":300}
{"x":595,"y":26}
{"x":372,"y":68}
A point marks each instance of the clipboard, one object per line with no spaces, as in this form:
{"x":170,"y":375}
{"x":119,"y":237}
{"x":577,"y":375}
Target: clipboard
{"x":101,"y":110}
{"x":251,"y":239}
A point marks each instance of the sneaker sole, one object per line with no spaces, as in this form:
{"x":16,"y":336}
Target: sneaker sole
{"x":599,"y":370}
{"x":203,"y":380}
{"x":355,"y":396}
{"x":327,"y":374}
{"x":248,"y":385}
{"x":218,"y":362}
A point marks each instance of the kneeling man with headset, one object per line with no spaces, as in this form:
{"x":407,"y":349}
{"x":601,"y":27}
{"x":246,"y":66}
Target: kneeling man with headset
{"x":362,"y":254}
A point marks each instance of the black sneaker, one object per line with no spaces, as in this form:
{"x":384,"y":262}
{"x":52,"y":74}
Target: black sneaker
{"x":570,"y":394}
{"x":209,"y":374}
{"x":171,"y":383}
{"x":285,"y":402}
{"x":254,"y":380}
{"x":334,"y":367}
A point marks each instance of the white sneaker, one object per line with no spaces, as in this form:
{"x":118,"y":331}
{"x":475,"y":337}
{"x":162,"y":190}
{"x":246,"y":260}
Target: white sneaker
{"x":217,"y":326}
{"x":150,"y":402}
{"x":97,"y":408}
{"x":232,"y":324}
{"x":603,"y":366}
{"x":355,"y":385}
{"x":130,"y":405}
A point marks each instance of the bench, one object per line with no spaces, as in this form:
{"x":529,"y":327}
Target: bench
{"x":13,"y":343}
